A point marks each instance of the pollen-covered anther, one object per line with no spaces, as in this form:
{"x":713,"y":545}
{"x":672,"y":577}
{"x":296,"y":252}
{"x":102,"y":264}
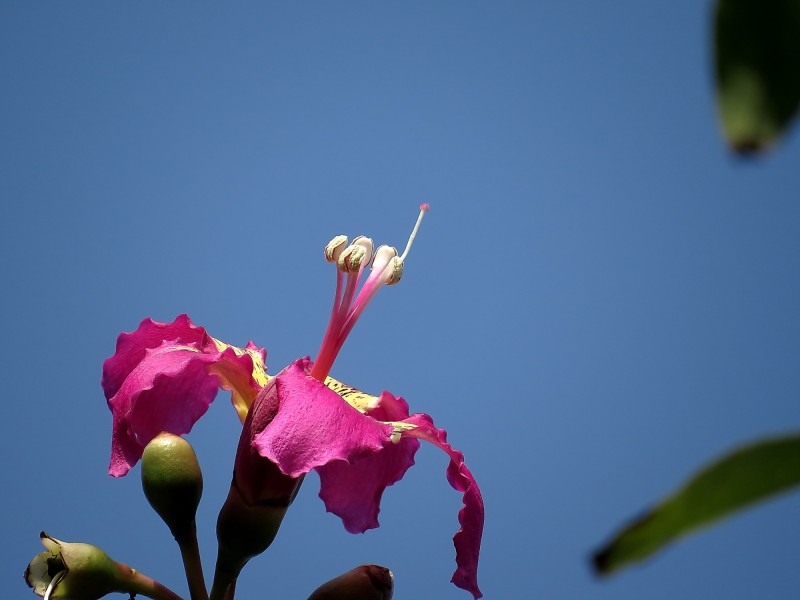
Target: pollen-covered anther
{"x":367,"y":244}
{"x":335,"y":247}
{"x":394,"y":270}
{"x":388,"y":265}
{"x":351,"y":258}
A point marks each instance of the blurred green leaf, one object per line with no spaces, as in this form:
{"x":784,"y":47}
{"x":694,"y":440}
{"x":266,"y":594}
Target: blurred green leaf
{"x":745,"y":476}
{"x":758,"y":69}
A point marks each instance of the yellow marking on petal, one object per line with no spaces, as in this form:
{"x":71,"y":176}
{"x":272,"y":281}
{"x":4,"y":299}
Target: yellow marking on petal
{"x":242,"y":394}
{"x":398,"y":428}
{"x":242,"y":397}
{"x":230,"y":378}
{"x":356,"y":398}
{"x":259,"y":368}
{"x":364,"y":402}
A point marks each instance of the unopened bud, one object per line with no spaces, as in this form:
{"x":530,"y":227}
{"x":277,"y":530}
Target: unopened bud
{"x":172,"y":482}
{"x":367,"y":582}
{"x":76,"y":571}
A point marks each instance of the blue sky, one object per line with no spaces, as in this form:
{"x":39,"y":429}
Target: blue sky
{"x":601,"y":298}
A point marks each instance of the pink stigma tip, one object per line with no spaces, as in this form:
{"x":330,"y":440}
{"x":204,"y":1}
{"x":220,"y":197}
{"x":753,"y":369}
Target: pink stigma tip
{"x":424,"y":206}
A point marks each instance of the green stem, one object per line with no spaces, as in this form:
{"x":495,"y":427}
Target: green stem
{"x":137,"y":583}
{"x":190,"y":553}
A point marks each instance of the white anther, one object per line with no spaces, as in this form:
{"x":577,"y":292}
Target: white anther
{"x":367,"y":244}
{"x":382,"y":257}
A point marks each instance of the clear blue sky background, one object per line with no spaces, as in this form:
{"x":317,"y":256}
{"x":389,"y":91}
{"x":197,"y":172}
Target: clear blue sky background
{"x":601,"y":299}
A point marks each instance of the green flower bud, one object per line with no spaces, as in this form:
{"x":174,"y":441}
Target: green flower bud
{"x":173,"y":482}
{"x":367,"y":582}
{"x":74,"y":571}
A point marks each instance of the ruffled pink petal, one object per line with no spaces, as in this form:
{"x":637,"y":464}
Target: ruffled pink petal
{"x":353,"y":491}
{"x":160,"y":380}
{"x":241,"y":381}
{"x":307,"y":425}
{"x":299,"y":424}
{"x":468,"y":539}
{"x":169,"y":390}
{"x":131,"y":347}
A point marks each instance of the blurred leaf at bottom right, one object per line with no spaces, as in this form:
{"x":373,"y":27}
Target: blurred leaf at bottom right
{"x":733,"y":482}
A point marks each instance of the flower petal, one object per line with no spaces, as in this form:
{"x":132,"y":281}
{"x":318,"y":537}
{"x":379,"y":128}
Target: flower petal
{"x":163,"y":378}
{"x":131,"y":347}
{"x":468,"y":539}
{"x":306,"y":425}
{"x":243,"y":384}
{"x":169,"y":390}
{"x":353,"y":491}
{"x":300,"y":424}
{"x":362,"y":402}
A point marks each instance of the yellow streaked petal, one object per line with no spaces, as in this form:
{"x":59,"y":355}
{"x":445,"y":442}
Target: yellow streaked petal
{"x":242,"y":393}
{"x":259,"y":368}
{"x":398,"y":428}
{"x":363,"y":402}
{"x":356,"y":398}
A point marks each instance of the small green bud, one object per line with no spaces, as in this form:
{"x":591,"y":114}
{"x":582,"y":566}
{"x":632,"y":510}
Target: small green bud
{"x":367,"y":582}
{"x":74,"y":571}
{"x":172,"y":482}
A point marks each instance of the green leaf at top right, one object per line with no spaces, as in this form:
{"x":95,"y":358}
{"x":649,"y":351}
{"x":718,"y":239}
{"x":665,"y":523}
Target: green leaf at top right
{"x":757,"y":45}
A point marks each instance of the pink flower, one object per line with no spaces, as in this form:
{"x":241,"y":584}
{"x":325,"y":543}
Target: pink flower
{"x":301,"y":420}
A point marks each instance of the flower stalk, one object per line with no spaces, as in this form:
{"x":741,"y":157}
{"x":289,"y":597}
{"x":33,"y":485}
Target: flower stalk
{"x":173,"y":485}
